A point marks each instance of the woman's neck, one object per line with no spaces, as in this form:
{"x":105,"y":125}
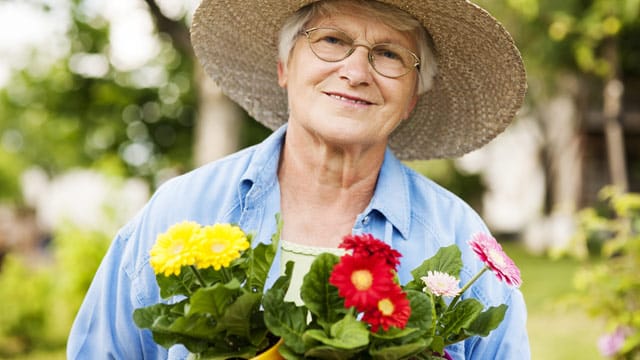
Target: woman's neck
{"x":326,"y":172}
{"x":323,"y":188}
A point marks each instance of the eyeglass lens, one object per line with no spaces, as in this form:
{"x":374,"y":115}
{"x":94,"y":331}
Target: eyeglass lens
{"x":333,"y":45}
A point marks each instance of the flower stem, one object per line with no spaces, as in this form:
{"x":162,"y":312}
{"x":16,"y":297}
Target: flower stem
{"x":198,"y":276}
{"x":226,"y":275}
{"x":467,"y":286}
{"x":434,"y":315}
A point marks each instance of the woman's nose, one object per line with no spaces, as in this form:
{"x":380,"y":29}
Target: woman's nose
{"x":356,"y":67}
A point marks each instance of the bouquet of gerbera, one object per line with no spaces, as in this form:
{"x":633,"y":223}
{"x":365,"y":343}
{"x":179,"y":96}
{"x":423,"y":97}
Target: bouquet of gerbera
{"x":355,"y":308}
{"x":215,"y":280}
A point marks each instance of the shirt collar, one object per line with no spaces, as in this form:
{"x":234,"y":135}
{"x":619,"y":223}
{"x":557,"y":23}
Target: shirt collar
{"x":262,"y":172}
{"x":391,"y":197}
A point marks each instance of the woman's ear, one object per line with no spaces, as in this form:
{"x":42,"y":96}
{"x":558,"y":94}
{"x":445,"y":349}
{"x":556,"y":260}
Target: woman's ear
{"x":282,"y":75}
{"x":410,"y":106}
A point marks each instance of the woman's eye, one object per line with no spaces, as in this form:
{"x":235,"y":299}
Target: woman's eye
{"x":388,"y":54}
{"x":332,"y":40}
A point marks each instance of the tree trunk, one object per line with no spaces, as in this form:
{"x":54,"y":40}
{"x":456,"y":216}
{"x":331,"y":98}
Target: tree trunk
{"x":218,"y":122}
{"x":564,"y":154}
{"x":612,"y":108}
{"x":217,"y":125}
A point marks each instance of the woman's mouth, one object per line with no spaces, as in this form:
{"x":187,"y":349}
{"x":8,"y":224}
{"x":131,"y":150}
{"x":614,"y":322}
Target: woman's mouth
{"x":350,"y":99}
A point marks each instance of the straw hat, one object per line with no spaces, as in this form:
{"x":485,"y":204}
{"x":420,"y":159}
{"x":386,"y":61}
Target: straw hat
{"x":479,"y":86}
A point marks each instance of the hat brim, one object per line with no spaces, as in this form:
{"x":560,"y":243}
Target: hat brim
{"x":479,"y":87}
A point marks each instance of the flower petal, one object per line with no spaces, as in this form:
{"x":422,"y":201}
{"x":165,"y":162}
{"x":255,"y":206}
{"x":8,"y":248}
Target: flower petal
{"x":441,"y":284}
{"x":490,"y":252}
{"x":367,"y":245}
{"x":361,"y":280}
{"x":391,"y":310}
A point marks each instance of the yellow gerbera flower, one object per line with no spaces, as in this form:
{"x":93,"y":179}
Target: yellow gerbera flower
{"x":175,"y":248}
{"x":219,"y":245}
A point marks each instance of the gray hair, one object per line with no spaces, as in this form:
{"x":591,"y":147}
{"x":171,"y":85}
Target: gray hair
{"x":388,"y":14}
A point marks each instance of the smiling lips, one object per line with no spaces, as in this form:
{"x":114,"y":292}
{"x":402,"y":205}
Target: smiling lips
{"x":353,"y":100}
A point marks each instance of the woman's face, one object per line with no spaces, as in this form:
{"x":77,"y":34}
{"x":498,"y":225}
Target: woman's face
{"x":347,"y":102}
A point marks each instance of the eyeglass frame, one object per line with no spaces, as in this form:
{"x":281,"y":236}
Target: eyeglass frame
{"x":370,"y":47}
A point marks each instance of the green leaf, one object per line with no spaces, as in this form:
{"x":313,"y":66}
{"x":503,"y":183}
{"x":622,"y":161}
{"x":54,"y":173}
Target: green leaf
{"x":237,"y":317}
{"x":328,"y":352}
{"x":346,"y":334}
{"x":285,"y":319}
{"x":488,"y":320}
{"x":396,"y":343}
{"x":168,"y":339}
{"x":395,"y":334}
{"x":284,"y":281}
{"x":145,"y":317}
{"x":173,"y":285}
{"x":212,"y":276}
{"x":437,"y":344}
{"x":461,"y":316}
{"x":423,"y":312}
{"x":347,"y":338}
{"x":402,"y":351}
{"x":191,"y":331}
{"x":447,"y":260}
{"x":214,"y":300}
{"x":170,"y":327}
{"x":260,"y":259}
{"x":320,"y":297}
{"x":289,"y":353}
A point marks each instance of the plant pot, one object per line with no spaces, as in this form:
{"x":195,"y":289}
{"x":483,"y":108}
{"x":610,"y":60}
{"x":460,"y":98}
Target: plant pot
{"x":271,"y":353}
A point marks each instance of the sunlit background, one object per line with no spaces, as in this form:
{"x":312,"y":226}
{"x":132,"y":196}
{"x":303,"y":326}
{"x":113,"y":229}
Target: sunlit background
{"x":103,"y":101}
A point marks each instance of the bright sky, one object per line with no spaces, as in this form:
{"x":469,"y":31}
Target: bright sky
{"x":24,"y":26}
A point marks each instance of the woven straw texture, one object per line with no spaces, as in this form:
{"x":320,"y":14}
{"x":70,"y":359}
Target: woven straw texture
{"x":479,"y":87}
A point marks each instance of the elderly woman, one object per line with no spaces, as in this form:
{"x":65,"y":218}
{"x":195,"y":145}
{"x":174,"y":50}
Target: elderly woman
{"x":351,"y":88}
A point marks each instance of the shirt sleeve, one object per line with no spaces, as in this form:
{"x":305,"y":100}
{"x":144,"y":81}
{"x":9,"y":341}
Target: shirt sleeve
{"x":103,"y":328}
{"x":509,"y":340}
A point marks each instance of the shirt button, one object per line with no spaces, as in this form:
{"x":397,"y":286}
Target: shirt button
{"x":365,"y":220}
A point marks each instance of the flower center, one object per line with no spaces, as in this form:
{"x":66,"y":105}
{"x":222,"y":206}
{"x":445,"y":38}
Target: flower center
{"x":497,"y":258}
{"x":176,"y":249}
{"x":218,"y":247}
{"x":361,"y":279}
{"x":440,"y":283}
{"x":386,"y":307}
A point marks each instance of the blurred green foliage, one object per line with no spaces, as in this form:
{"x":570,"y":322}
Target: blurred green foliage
{"x":25,"y":292}
{"x":571,"y":37}
{"x":61,"y":118}
{"x":39,"y":303}
{"x":610,"y":287}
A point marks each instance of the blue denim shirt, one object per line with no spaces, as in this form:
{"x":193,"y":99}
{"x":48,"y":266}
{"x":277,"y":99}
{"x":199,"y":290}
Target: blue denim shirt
{"x":408,"y":211}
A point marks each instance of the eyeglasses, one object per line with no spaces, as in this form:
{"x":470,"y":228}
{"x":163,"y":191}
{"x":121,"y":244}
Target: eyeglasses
{"x":389,"y":60}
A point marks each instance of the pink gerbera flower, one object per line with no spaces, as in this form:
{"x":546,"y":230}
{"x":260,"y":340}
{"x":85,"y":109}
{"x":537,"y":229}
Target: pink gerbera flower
{"x":491,"y":253}
{"x":366,"y":245}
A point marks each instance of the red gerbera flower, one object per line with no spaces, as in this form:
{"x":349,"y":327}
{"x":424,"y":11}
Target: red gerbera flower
{"x":391,"y":310}
{"x":367,"y":245}
{"x":491,"y":253}
{"x":361,"y":281}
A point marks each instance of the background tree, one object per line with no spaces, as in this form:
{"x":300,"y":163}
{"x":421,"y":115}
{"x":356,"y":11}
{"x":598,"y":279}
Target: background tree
{"x":153,"y":120}
{"x":85,"y":111}
{"x":580,"y":53}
